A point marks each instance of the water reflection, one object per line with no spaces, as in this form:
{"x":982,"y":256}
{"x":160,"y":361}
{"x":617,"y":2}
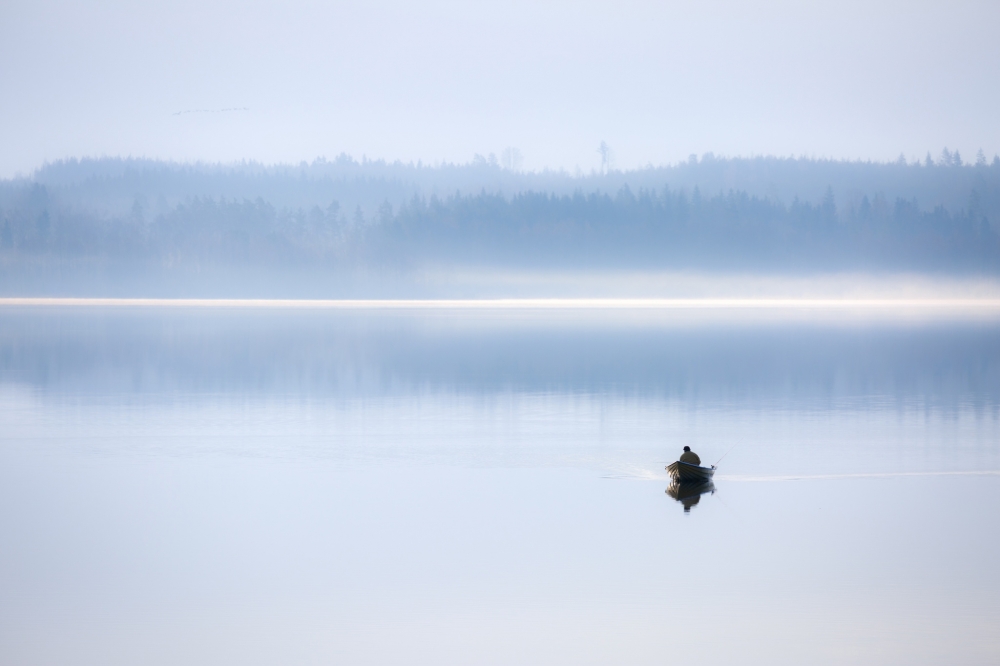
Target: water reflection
{"x":689,"y":493}
{"x":201,"y":481}
{"x":935,"y":366}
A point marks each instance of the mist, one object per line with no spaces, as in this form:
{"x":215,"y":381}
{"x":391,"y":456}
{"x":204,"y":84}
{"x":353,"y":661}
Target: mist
{"x":368,"y":149}
{"x":488,"y":333}
{"x":363,"y":228}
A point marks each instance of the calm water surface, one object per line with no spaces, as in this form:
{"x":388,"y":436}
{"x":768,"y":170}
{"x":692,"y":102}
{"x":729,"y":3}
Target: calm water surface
{"x":265,"y":487}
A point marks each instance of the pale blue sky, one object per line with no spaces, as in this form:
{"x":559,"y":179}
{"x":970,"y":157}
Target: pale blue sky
{"x":445,"y":80}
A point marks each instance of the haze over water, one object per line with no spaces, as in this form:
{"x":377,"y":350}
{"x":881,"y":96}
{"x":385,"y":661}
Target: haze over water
{"x":202,"y":486}
{"x":362,"y":333}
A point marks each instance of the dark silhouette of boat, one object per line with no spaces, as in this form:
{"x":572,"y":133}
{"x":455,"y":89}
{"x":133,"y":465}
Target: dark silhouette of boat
{"x":682,"y":471}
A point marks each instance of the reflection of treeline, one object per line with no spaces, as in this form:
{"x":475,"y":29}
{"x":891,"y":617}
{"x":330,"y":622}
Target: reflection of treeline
{"x":252,"y":216}
{"x":329,"y":353}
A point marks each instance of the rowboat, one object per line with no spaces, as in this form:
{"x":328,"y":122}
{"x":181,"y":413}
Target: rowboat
{"x":682,"y":471}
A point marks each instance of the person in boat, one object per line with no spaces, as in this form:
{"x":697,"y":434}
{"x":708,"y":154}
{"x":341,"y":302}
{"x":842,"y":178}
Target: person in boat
{"x":690,"y":457}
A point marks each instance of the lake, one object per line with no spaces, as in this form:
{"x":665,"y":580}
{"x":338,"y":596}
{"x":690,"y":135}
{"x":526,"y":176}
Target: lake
{"x":486,"y":486}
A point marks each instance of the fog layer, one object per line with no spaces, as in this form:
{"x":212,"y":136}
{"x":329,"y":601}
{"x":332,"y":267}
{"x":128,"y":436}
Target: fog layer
{"x":344,"y":227}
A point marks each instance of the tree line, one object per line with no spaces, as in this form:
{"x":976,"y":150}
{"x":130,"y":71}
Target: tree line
{"x":647,"y":228}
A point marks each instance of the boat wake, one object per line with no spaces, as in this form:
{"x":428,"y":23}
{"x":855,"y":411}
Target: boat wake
{"x":865,"y":475}
{"x":642,"y":474}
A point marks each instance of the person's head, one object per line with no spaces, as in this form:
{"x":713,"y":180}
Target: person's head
{"x":687,"y":448}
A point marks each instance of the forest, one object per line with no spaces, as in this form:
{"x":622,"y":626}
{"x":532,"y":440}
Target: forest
{"x":768,"y":215}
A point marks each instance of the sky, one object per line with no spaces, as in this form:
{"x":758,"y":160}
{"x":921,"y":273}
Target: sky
{"x":225,"y":80}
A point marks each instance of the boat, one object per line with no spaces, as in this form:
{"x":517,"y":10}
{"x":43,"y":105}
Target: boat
{"x":682,"y":471}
